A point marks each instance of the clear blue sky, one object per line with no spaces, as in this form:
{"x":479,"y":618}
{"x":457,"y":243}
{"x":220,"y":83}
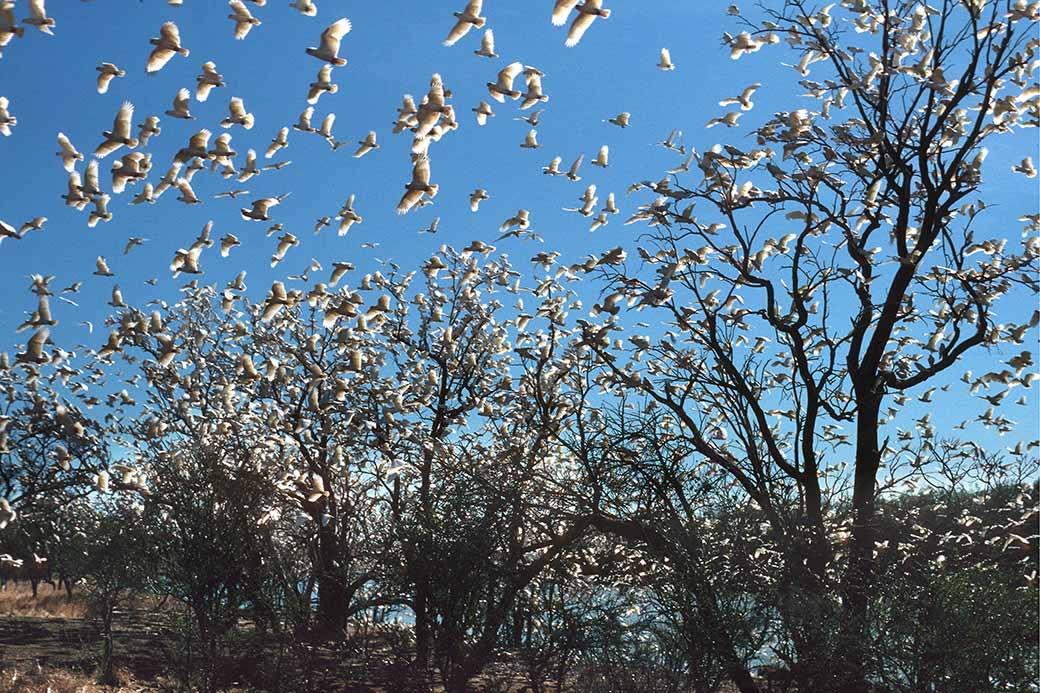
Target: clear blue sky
{"x":393,"y":49}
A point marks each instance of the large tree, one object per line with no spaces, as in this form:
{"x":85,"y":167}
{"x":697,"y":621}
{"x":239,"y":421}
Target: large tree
{"x":811,"y":282}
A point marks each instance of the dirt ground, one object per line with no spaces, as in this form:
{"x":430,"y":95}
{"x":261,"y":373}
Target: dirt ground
{"x":31,"y":644}
{"x":51,"y":635}
{"x":49,"y":644}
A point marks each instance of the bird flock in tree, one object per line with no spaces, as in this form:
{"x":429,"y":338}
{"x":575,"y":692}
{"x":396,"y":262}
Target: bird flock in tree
{"x":428,"y":121}
{"x":432,"y":118}
{"x":753,"y":367}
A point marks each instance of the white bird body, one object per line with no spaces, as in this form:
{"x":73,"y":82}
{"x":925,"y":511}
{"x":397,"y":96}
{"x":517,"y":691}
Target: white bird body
{"x":729,"y":120}
{"x":209,"y":80}
{"x":419,"y":185}
{"x":483,"y":111}
{"x":180,"y":107}
{"x":277,"y":299}
{"x":588,"y":199}
{"x":100,"y":211}
{"x":187,"y":195}
{"x":323,"y":83}
{"x":326,"y":127}
{"x":1025,"y":167}
{"x":132,"y":243}
{"x":572,"y":172}
{"x":250,"y":169}
{"x":305,"y":7}
{"x":665,"y":63}
{"x":106,"y":73}
{"x":75,"y":197}
{"x":280,"y":141}
{"x":328,"y":49}
{"x":744,"y":100}
{"x":69,"y":155}
{"x":587,"y":13}
{"x":237,"y":115}
{"x":91,"y":185}
{"x":222,"y":153}
{"x":466,"y":20}
{"x":131,"y":168}
{"x":303,"y":123}
{"x":120,"y":134}
{"x":102,"y":267}
{"x":476,"y":197}
{"x":487,"y":45}
{"x":522,"y":220}
{"x":532,"y":118}
{"x":34,"y":352}
{"x":366,"y":145}
{"x":38,"y":17}
{"x":166,"y":46}
{"x":148,"y":129}
{"x":503,"y":85}
{"x":531,"y":140}
{"x":534,"y":93}
{"x":7,"y":121}
{"x":242,"y":17}
{"x":348,"y":217}
{"x":258,"y":210}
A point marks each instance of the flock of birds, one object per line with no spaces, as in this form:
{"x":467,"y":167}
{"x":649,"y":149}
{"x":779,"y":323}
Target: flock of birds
{"x":433,"y":117}
{"x":428,"y":120}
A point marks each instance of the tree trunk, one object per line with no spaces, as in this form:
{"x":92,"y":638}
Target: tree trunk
{"x":741,"y":677}
{"x":419,"y":566}
{"x":332,"y":593}
{"x":856,"y":590}
{"x":457,"y":681}
{"x":332,"y":605}
{"x":108,"y":673}
{"x":423,"y":635}
{"x":807,"y":609}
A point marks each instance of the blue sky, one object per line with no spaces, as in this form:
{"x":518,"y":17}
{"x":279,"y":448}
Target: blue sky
{"x":393,"y":49}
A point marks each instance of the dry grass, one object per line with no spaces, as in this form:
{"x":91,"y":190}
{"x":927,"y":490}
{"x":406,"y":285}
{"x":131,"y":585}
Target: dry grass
{"x":17,"y":600}
{"x":35,"y":680}
{"x":18,"y":681}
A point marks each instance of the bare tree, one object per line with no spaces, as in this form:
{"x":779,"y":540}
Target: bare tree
{"x":50,"y":450}
{"x":810,"y":283}
{"x":467,"y":421}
